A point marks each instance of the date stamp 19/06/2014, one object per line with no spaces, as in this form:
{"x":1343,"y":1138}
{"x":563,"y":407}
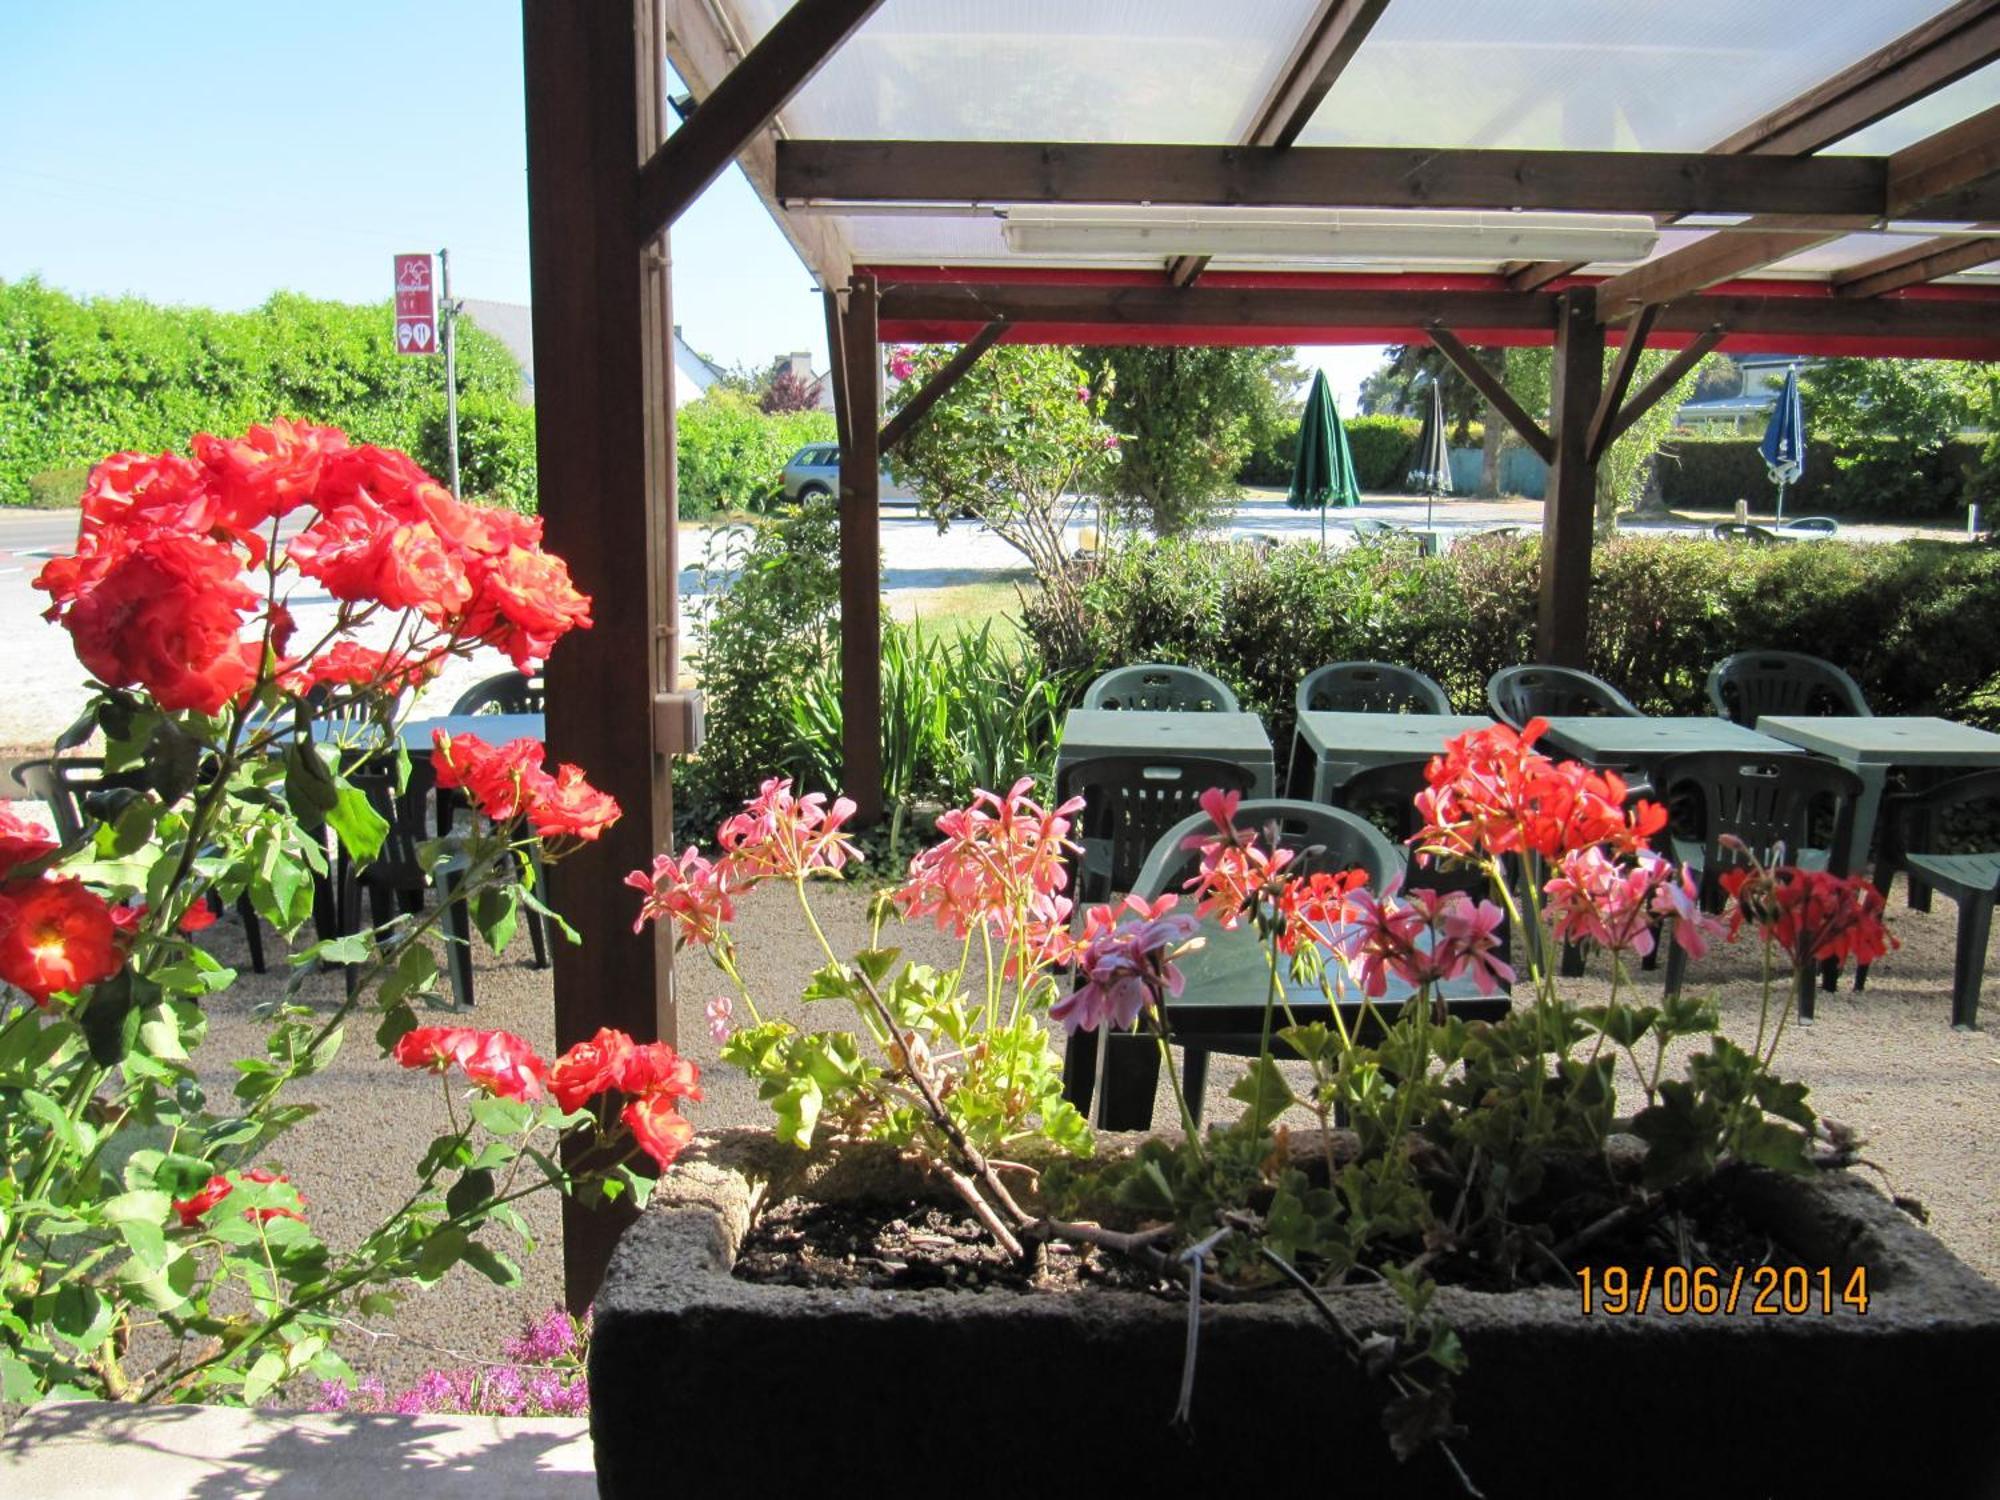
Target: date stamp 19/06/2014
{"x":1719,"y":1291}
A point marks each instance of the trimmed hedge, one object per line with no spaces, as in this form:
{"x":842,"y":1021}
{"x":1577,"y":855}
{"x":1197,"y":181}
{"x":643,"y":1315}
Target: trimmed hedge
{"x":1380,"y":445}
{"x":1917,"y":623}
{"x":732,"y":454}
{"x":1880,"y":478}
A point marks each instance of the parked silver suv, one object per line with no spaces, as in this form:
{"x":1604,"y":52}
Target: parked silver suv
{"x":815,"y":470}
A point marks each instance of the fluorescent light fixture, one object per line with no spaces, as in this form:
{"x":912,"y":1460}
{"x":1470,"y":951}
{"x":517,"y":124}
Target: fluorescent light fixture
{"x":1414,"y":235}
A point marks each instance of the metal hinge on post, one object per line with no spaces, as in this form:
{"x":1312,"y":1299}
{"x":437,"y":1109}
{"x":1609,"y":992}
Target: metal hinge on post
{"x":678,"y":726}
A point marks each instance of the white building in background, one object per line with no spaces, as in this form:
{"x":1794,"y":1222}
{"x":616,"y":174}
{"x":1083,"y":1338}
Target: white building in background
{"x":510,"y":322}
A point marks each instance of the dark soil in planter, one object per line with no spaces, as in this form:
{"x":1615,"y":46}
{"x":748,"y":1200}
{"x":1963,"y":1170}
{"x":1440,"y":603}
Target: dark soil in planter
{"x":904,"y":1247}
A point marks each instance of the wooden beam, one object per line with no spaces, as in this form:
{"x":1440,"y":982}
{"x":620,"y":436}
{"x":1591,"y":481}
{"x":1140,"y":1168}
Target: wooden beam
{"x":703,"y":55}
{"x":741,"y":105}
{"x":1569,"y":507}
{"x":1651,"y":393}
{"x":1491,"y":387}
{"x":942,"y":380}
{"x":832,"y":173}
{"x":1949,"y":175}
{"x":1620,"y":381}
{"x":1714,"y":258}
{"x":1915,"y":263}
{"x":591,"y":106}
{"x":1943,"y":49}
{"x":1113,"y":306}
{"x":1324,"y":49}
{"x":1921,"y":61}
{"x":861,"y":554}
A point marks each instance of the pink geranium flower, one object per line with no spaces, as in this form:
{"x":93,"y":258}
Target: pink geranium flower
{"x":1126,"y":966}
{"x":691,"y":892}
{"x":782,"y":835}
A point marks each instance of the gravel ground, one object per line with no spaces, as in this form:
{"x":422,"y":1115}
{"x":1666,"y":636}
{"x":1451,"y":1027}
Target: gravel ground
{"x":1925,"y":1098}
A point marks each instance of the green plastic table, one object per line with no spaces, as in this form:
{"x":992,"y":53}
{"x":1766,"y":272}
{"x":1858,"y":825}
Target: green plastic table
{"x":1869,"y":747}
{"x":1225,"y":982}
{"x":1092,"y":733}
{"x":1331,"y":748}
{"x":1618,"y":740}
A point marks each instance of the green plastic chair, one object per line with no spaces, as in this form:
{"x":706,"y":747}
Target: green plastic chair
{"x":1750,"y":684}
{"x":1518,"y":694}
{"x":1161,"y":685}
{"x":1370,"y":687}
{"x":1910,"y":833}
{"x":508,"y":693}
{"x":1128,"y":802}
{"x":1764,"y":801}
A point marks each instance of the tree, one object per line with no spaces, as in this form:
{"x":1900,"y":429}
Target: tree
{"x":1401,"y":388}
{"x":788,"y":390}
{"x":1020,"y":442}
{"x":1187,"y":419}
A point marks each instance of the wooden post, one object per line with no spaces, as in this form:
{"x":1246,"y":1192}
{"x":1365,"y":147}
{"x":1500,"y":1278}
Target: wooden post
{"x":860,"y":366}
{"x":1569,"y":511}
{"x":593,"y":76}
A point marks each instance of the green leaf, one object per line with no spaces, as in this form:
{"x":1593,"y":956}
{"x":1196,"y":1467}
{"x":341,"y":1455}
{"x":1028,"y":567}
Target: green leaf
{"x":1264,"y":1089}
{"x":502,"y":1116}
{"x":148,"y":1243}
{"x":355,"y":948}
{"x":397,"y":1022}
{"x":473,"y":1188}
{"x":355,"y":822}
{"x":51,"y":1114}
{"x":491,"y":1264}
{"x":145,"y":1205}
{"x":265,"y":1373}
{"x":82,"y":1317}
{"x":18,"y":1382}
{"x":441,"y":1250}
{"x":310,"y":787}
{"x":494,"y":913}
{"x":110,"y":1017}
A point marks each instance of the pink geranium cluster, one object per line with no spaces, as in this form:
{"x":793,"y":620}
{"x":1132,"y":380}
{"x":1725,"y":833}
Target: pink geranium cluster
{"x":779,"y":835}
{"x":999,"y":866}
{"x":1596,"y":898}
{"x":1125,"y":965}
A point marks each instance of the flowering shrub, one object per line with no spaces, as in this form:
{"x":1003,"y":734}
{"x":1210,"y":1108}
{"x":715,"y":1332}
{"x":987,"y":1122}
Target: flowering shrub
{"x":128,"y":1196}
{"x":543,"y":1377}
{"x":1478,"y":1152}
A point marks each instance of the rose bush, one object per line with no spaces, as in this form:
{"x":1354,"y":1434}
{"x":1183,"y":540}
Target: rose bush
{"x":145,"y":1250}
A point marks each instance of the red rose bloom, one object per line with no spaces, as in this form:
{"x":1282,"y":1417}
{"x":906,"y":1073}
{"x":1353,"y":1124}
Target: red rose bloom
{"x":590,"y":1068}
{"x":526,"y":604}
{"x":434,"y":1047}
{"x":504,"y":1064}
{"x":349,"y":663}
{"x":269,"y":471}
{"x":566,"y":805}
{"x":169,"y":618}
{"x":56,"y":934}
{"x":191,"y":1210}
{"x":660,"y":1129}
{"x":20,"y":841}
{"x":656,"y":1068}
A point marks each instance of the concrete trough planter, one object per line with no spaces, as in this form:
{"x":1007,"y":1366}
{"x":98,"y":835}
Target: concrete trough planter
{"x":699,"y":1379}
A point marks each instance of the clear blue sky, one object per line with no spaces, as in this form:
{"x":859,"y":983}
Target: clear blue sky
{"x":215,"y":151}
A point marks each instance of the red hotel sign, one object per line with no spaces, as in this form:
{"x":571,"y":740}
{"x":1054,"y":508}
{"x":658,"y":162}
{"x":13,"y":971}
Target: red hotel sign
{"x":416,"y":306}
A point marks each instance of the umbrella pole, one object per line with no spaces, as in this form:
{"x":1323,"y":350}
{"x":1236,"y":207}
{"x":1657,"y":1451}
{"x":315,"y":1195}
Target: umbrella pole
{"x":1781,"y":500}
{"x":1322,"y":526}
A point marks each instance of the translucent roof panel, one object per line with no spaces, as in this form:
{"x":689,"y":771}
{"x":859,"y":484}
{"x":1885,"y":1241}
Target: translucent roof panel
{"x":1910,"y":124}
{"x":1186,"y":71}
{"x":1593,"y":75}
{"x":1839,"y":255}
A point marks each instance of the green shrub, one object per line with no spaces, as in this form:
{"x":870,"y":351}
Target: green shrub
{"x":732,"y":455}
{"x":81,"y":379}
{"x":496,"y":450}
{"x":1917,"y":623}
{"x":58,"y":489}
{"x":1270,"y":462}
{"x":1865,"y":478}
{"x":766,"y":619}
{"x":1381,"y":448}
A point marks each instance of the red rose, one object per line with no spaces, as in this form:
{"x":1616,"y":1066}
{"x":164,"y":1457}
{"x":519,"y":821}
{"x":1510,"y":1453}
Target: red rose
{"x":496,"y":779}
{"x":56,"y":934}
{"x":434,"y":1047}
{"x":590,"y":1068}
{"x":661,"y":1131}
{"x":526,"y":603}
{"x":350,"y":663}
{"x":168,"y":618}
{"x":504,"y":1064}
{"x":269,"y":471}
{"x":656,"y":1069}
{"x":20,"y":841}
{"x":567,"y":805}
{"x":191,"y":1209}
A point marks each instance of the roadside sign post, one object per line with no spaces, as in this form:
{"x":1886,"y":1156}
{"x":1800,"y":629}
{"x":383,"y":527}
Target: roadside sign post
{"x":424,"y":321}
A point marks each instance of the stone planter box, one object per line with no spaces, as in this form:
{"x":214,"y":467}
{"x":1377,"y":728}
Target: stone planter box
{"x":709,"y":1384}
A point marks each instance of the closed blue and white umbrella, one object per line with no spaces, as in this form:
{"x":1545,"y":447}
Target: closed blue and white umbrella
{"x":1784,"y":445}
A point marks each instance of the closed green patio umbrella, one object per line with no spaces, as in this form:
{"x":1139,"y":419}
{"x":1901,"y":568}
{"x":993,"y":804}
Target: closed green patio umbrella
{"x":1430,"y":461}
{"x":1323,"y":472}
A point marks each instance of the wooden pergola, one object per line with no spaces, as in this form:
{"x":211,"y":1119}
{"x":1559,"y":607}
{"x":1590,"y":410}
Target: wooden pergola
{"x":1824,"y":182}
